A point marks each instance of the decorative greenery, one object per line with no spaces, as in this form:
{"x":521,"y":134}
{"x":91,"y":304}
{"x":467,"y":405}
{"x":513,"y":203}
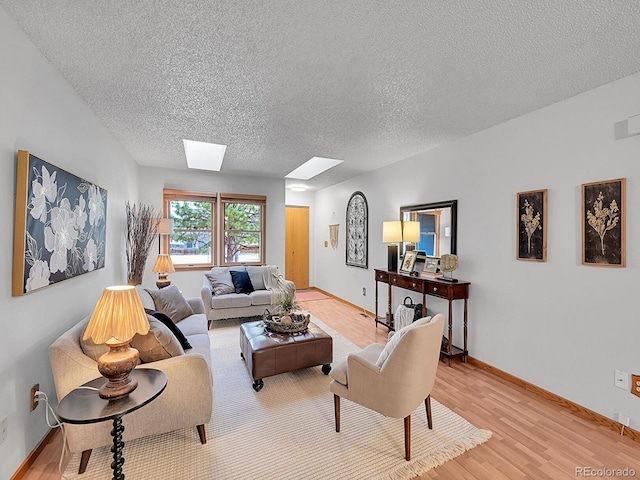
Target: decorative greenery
{"x":287,"y":303}
{"x":604,"y":219}
{"x":142,"y":226}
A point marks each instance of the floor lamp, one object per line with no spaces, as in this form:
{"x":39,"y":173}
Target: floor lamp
{"x":392,"y":234}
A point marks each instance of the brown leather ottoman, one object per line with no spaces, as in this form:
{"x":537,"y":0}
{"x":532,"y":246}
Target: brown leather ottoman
{"x":268,"y":353}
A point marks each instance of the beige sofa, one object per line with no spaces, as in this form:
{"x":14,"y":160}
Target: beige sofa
{"x":221,"y":301}
{"x":186,"y":401}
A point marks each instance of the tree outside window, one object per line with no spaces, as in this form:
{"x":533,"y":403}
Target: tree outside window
{"x":191,"y":241}
{"x":243,"y":232}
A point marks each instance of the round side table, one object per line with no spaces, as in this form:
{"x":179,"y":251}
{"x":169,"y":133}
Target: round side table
{"x":83,"y":405}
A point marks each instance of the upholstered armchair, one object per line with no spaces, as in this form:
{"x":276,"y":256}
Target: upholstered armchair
{"x":393,"y":379}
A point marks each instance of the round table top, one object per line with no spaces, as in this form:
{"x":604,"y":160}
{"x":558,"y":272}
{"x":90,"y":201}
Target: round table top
{"x":84,"y":405}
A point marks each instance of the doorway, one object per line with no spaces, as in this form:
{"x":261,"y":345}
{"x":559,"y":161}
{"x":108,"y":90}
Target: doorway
{"x":296,"y":266}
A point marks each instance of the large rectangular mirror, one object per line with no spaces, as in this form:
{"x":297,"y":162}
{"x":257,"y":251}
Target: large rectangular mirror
{"x":438,"y":221}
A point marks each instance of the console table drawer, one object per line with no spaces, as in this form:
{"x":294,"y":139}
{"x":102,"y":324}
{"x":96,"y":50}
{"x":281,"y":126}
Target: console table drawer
{"x":382,"y":276}
{"x":406,"y":282}
{"x":437,"y":290}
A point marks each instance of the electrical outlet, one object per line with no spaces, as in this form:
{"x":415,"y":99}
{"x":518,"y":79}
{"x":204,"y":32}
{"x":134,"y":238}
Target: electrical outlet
{"x":34,"y":400}
{"x":621,"y":380}
{"x":635,"y":385}
{"x":364,"y":291}
{"x":3,"y":429}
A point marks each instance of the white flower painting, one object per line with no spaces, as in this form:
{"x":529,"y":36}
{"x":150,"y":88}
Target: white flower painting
{"x":65,"y":225}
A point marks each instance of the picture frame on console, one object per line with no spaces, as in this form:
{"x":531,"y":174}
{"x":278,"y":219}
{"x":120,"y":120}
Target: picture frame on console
{"x":408,"y":261}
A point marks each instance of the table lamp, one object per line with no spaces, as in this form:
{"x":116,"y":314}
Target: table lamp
{"x":163,"y":266}
{"x":392,"y":234}
{"x":118,"y":316}
{"x":411,"y":232}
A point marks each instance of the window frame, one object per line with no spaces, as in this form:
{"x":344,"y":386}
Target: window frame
{"x":260,"y":200}
{"x":218,"y":201}
{"x":169,"y":195}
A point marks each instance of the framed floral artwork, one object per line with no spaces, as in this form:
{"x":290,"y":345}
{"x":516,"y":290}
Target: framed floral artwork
{"x":357,"y":231}
{"x":408,"y":261}
{"x":603,"y":223}
{"x":531,"y":221}
{"x":60,"y":225}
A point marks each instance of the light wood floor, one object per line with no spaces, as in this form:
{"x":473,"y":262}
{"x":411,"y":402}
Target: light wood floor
{"x":533,"y":438}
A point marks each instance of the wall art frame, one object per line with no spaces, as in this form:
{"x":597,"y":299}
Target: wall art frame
{"x":357,"y":232}
{"x":60,"y":225}
{"x":604,"y":212}
{"x":531,"y":225}
{"x":408,"y":261}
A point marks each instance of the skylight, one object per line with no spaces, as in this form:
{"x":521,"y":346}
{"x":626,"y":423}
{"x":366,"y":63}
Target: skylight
{"x":313,"y":167}
{"x":203,"y":155}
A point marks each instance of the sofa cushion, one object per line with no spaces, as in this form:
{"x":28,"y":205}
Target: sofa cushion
{"x":256,"y":276}
{"x":158,"y":344}
{"x":169,"y":300}
{"x":231,"y":300}
{"x":220,"y":280}
{"x":193,"y":325}
{"x":260,"y":297}
{"x":184,"y":342}
{"x":241,"y":281}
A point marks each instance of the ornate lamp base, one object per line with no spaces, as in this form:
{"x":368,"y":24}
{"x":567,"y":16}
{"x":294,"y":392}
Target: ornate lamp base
{"x":163,"y":281}
{"x":115,"y":366}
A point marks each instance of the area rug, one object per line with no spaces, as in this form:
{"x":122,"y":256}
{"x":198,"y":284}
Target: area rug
{"x":309,"y":295}
{"x":287,"y":431}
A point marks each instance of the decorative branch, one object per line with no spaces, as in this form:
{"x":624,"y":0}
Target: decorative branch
{"x":604,"y":219}
{"x":531,"y":222}
{"x":142,"y":227}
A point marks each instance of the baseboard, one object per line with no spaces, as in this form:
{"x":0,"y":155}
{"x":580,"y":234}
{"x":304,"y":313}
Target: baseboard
{"x":352,"y":305}
{"x":557,"y":399}
{"x":30,"y":460}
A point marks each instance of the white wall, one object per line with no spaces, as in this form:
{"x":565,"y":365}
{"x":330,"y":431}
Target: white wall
{"x":154,"y":180}
{"x":41,"y":113}
{"x":559,"y":325}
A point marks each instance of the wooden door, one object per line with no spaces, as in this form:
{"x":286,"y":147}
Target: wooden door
{"x":296,"y":266}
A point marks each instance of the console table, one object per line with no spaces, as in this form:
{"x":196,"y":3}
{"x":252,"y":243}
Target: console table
{"x":426,"y":286}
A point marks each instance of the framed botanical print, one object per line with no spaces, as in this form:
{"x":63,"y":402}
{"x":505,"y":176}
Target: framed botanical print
{"x":531,"y":221}
{"x":60,"y":225}
{"x":603,"y":223}
{"x":357,"y":231}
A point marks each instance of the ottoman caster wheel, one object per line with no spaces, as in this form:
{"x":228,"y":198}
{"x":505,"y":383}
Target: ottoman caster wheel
{"x":326,"y":368}
{"x":258,"y":384}
{"x":242,"y":355}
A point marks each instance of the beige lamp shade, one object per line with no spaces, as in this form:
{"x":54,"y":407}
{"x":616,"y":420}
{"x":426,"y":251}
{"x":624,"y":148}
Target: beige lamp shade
{"x":163,"y":264}
{"x":118,"y":316}
{"x":392,"y":231}
{"x":411,"y":231}
{"x":165,"y":227}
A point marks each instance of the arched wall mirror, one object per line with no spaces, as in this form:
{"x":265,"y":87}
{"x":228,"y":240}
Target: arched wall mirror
{"x":438,"y":225}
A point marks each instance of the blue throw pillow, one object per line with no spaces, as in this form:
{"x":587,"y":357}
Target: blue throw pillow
{"x":241,"y":281}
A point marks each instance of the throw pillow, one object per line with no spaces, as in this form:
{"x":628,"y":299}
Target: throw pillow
{"x":220,"y":280}
{"x":158,"y":344}
{"x":395,"y":340}
{"x":256,"y":275}
{"x":241,"y":281}
{"x":170,"y":301}
{"x":171,"y":326}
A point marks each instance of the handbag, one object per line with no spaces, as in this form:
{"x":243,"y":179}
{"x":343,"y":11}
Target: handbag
{"x":417,"y":308}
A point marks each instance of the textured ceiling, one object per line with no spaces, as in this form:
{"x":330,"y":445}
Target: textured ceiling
{"x":367,"y":81}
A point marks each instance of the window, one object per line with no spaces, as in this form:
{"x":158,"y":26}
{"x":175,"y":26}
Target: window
{"x":195,"y":243}
{"x":429,"y":228}
{"x":243,"y":228}
{"x":192,"y":243}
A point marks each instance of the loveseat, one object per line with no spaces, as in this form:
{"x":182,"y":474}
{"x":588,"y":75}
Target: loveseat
{"x":188,"y":397}
{"x":227,"y":294}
